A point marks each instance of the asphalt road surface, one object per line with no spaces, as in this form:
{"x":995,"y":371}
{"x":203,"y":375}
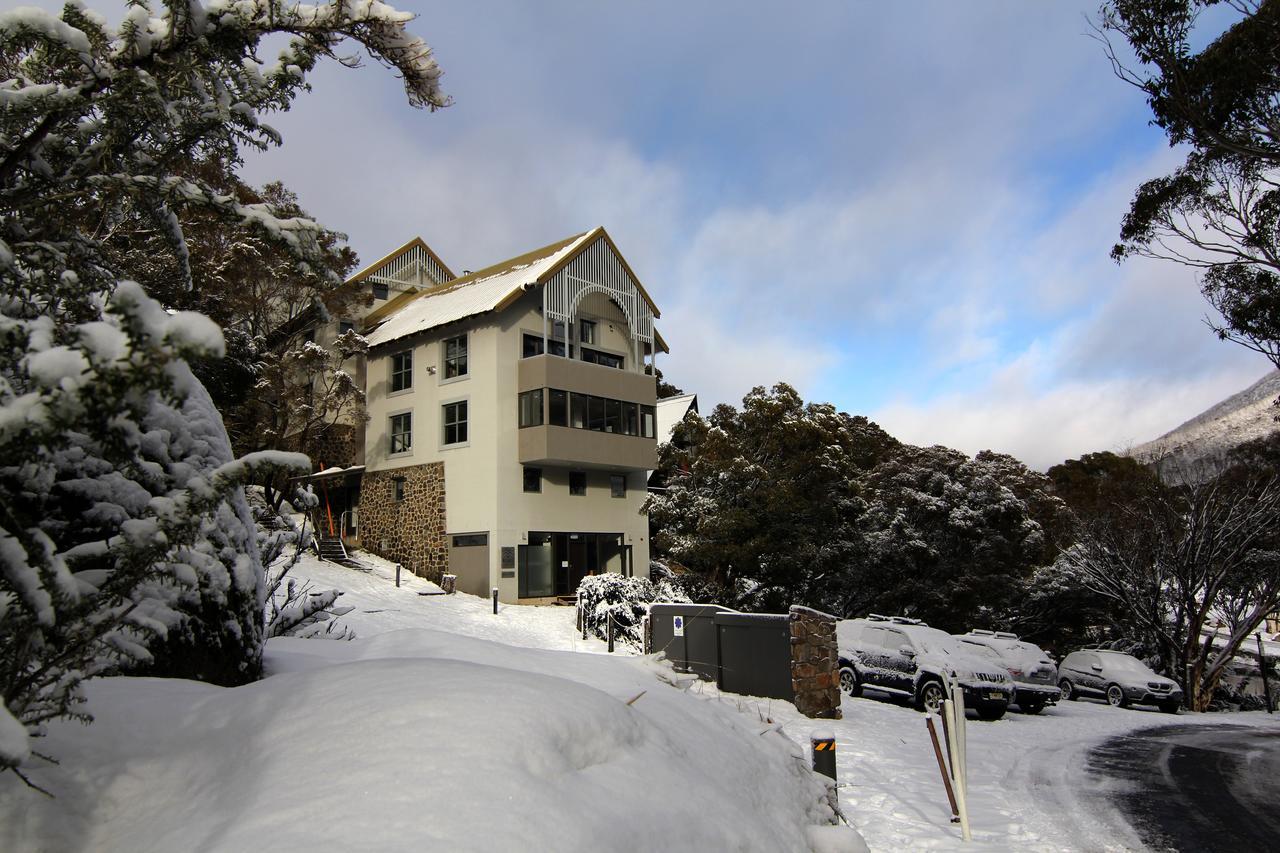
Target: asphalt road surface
{"x":1196,"y":788}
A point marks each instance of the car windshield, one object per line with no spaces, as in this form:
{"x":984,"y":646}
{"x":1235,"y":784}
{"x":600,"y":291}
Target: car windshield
{"x":1126,"y":663}
{"x":933,"y":641}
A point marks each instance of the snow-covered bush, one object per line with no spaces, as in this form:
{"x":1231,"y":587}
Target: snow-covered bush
{"x":293,"y":609}
{"x":624,"y":600}
{"x":122,"y":523}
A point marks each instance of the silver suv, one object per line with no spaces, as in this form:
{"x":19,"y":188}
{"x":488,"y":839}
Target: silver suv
{"x":1035,"y":678}
{"x":1119,"y":678}
{"x":906,"y":657}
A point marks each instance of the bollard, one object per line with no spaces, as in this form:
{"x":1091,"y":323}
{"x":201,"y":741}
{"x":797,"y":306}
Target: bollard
{"x":495,"y":601}
{"x":584,"y":622}
{"x":1262,"y":669}
{"x":610,"y":633}
{"x":397,"y":575}
{"x":823,"y":744}
{"x":579,"y":610}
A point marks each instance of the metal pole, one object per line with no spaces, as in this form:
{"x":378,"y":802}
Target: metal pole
{"x":822,"y":744}
{"x":495,"y":601}
{"x":397,"y":575}
{"x":584,"y":622}
{"x":579,"y":612}
{"x":1262,"y":667}
{"x":1189,"y":690}
{"x":942,"y":767}
{"x":610,"y":633}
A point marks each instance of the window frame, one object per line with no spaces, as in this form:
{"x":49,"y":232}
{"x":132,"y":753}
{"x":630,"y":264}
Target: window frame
{"x":391,"y":434}
{"x":587,"y":331}
{"x":540,"y":408}
{"x":393,"y":372}
{"x":614,"y":490}
{"x":581,"y":477}
{"x":464,"y":358}
{"x":445,"y":423}
{"x":535,"y":471}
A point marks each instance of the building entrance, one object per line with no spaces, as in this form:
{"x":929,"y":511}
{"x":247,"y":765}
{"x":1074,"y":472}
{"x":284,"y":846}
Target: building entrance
{"x":553,"y":564}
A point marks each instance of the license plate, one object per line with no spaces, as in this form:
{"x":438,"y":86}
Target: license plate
{"x":995,"y":695}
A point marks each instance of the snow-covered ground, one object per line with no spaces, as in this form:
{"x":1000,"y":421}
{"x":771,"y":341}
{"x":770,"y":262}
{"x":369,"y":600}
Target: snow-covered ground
{"x":468,"y":731}
{"x":446,"y":727}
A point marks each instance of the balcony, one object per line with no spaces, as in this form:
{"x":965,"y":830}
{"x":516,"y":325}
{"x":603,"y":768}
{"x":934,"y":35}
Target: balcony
{"x":570,"y":447}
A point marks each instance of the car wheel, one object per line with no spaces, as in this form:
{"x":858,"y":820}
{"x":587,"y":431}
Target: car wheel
{"x":932,"y":693}
{"x":990,"y":713}
{"x":849,"y":681}
{"x":1115,"y":696}
{"x":1170,"y":707}
{"x":1032,"y":707}
{"x":1068,"y":692}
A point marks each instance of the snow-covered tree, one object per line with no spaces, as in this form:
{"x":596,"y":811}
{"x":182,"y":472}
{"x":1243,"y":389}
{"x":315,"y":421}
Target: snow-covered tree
{"x":950,"y":538}
{"x":121,"y":518}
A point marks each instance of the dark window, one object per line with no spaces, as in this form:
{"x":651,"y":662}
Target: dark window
{"x":531,"y":408}
{"x":630,"y":418}
{"x":577,"y":482}
{"x":402,"y":371}
{"x":397,"y":488}
{"x":618,"y":485}
{"x":469,"y":540}
{"x":379,"y":291}
{"x":455,"y":357}
{"x":402,"y":433}
{"x":455,"y":422}
{"x":578,"y":410}
{"x":604,"y":358}
{"x":647,"y":427}
{"x":557,"y":407}
{"x":612,"y":416}
{"x":533,"y":479}
{"x":531,"y":345}
{"x":588,"y":333}
{"x":346,"y":326}
{"x":595,"y":413}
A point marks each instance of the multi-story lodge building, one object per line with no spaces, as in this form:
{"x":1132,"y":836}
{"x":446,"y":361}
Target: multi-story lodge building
{"x":511,"y":418}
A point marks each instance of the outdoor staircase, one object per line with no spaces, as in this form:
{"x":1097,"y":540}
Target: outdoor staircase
{"x":332,"y":549}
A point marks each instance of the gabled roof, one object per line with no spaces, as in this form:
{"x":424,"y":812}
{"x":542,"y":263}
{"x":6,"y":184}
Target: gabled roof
{"x":383,"y":261}
{"x":671,"y":411}
{"x":490,"y":289}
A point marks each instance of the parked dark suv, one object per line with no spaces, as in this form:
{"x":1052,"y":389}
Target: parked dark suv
{"x":1119,"y":678}
{"x":907,"y":658}
{"x":1035,"y":678}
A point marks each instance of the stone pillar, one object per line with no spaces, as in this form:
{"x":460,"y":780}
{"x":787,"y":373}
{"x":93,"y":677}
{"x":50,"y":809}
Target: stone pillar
{"x":815,"y":663}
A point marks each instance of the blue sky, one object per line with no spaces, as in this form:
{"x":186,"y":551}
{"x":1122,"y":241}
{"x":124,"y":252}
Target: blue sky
{"x":902,"y":208}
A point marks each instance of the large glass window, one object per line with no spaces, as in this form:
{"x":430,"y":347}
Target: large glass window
{"x":557,"y":407}
{"x":555,"y":563}
{"x":455,"y":357}
{"x":648,"y":427}
{"x":454,"y":420}
{"x":595,"y":413}
{"x":402,"y":432}
{"x":605,"y":358}
{"x":618,"y":485}
{"x":531,"y":345}
{"x":588,"y":332}
{"x":578,"y":410}
{"x":537,"y":567}
{"x":531,"y":408}
{"x":613,"y":416}
{"x":630,"y":419}
{"x":402,"y":371}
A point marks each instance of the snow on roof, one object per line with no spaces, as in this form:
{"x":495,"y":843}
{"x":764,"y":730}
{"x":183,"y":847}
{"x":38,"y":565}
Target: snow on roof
{"x":671,"y":411}
{"x":477,"y":292}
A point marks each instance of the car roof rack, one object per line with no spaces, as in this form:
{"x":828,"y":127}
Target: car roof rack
{"x":999,"y":635}
{"x":1007,"y":635}
{"x":899,"y":620}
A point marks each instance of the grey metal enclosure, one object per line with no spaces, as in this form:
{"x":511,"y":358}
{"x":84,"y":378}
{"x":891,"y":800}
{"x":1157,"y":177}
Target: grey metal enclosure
{"x":755,"y":654}
{"x":697,"y":650}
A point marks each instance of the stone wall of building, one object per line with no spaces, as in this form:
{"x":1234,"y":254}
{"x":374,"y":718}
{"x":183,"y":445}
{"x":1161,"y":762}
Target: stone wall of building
{"x":337,"y":447}
{"x":411,"y":531}
{"x":815,"y":663}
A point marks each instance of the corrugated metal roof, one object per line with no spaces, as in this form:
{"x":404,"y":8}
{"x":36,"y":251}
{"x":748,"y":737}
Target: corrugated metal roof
{"x":476,"y":293}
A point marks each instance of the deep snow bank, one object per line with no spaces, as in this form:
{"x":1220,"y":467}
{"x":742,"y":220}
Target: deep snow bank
{"x":416,"y":740}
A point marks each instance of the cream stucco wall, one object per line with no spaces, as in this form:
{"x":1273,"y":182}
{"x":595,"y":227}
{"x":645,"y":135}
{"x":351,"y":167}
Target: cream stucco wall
{"x":484,"y":480}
